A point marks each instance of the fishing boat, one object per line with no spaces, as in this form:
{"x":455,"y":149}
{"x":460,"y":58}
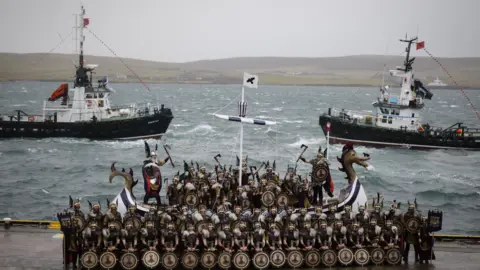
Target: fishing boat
{"x":397,"y":121}
{"x":85,"y":111}
{"x":437,"y":83}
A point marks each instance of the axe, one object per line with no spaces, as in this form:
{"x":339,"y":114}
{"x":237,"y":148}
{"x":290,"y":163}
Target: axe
{"x":305,"y":147}
{"x":166,"y":147}
{"x":216,"y":159}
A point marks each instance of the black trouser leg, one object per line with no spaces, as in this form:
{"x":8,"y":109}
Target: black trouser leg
{"x":405,"y":252}
{"x":416,"y":248}
{"x":317,"y":192}
{"x":145,"y":199}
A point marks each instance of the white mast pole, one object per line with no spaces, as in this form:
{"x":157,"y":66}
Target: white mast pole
{"x":328,"y":139}
{"x":241,"y":139}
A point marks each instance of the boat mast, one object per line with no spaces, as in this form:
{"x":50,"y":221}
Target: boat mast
{"x":82,"y":37}
{"x":242,"y":111}
{"x":408,"y":62}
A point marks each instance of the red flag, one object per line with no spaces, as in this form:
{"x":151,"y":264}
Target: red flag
{"x":332,"y":186}
{"x":328,"y":127}
{"x":420,"y":45}
{"x":86,"y":21}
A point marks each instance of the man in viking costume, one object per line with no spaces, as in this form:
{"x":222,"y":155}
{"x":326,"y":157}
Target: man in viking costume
{"x":129,"y":238}
{"x":223,"y":217}
{"x":111,"y":237}
{"x":426,"y":243}
{"x":411,"y":238}
{"x":92,"y":236}
{"x":149,"y":236}
{"x":201,"y":214}
{"x":320,"y":176}
{"x":394,"y":213}
{"x":169,"y":238}
{"x":303,"y":218}
{"x":204,"y":196}
{"x":152,"y":216}
{"x":377,"y":211}
{"x":347,"y":217}
{"x":132,"y":213}
{"x":325,"y":235}
{"x":362,"y":217}
{"x":332,"y":215}
{"x":274,"y":238}
{"x":112,"y":215}
{"x":74,"y":242}
{"x":308,"y":236}
{"x":356,"y":235}
{"x":318,"y":215}
{"x":95,"y":215}
{"x":390,"y":234}
{"x":226,"y":239}
{"x":286,"y":219}
{"x":339,"y":234}
{"x":209,"y":238}
{"x":291,"y":239}
{"x":183,"y":219}
{"x":190,"y":238}
{"x":255,"y":217}
{"x":152,"y":179}
{"x":75,"y":208}
{"x":258,"y":237}
{"x":374,"y":233}
{"x":270,"y":173}
{"x":173,"y":191}
{"x":241,"y":237}
{"x":272,"y":217}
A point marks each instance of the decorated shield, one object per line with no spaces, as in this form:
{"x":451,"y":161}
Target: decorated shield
{"x":295,"y":259}
{"x":282,"y":199}
{"x":129,"y":261}
{"x":80,"y":221}
{"x":225,"y":260}
{"x":261,"y":260}
{"x":393,"y":256}
{"x":241,"y":260}
{"x":191,"y":200}
{"x":345,"y":256}
{"x":329,"y":258}
{"x":320,"y":173}
{"x":89,"y":259}
{"x":312,"y":258}
{"x":412,"y":224}
{"x":134,"y":221}
{"x":190,"y":260}
{"x":151,"y":259}
{"x":108,"y":260}
{"x":169,"y":260}
{"x":362,"y":257}
{"x":268,"y":198}
{"x":377,"y":256}
{"x":208,"y":260}
{"x":202,"y":225}
{"x":399,"y":225}
{"x":277,"y":258}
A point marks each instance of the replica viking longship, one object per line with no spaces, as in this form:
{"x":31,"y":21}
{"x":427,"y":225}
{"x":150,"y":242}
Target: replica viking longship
{"x":233,"y":218}
{"x":85,"y":111}
{"x":398,"y":122}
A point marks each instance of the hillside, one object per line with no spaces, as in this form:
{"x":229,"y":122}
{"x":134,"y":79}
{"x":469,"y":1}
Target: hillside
{"x":348,"y":70}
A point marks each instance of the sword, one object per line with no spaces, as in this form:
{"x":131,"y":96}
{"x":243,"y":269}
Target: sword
{"x":165,"y":146}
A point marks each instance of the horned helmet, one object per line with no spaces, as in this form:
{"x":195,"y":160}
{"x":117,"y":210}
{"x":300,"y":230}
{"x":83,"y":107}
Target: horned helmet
{"x":170,"y":227}
{"x":203,"y":210}
{"x":273,"y":210}
{"x":96,"y":207}
{"x":361,"y":209}
{"x":113,"y":207}
{"x":153,"y":156}
{"x":149,"y":225}
{"x":332,"y":208}
{"x":256,"y":211}
{"x":203,"y":170}
{"x":303,"y":211}
{"x":291,"y":227}
{"x":323,"y":224}
{"x":318,"y":211}
{"x":152,"y":210}
{"x":132,"y":208}
{"x":348,"y":208}
{"x":373,"y":222}
{"x":339,"y":223}
{"x":388,"y":223}
{"x":269,"y":169}
{"x":76,"y":205}
{"x":355,"y":225}
{"x":319,"y":153}
{"x":412,"y":206}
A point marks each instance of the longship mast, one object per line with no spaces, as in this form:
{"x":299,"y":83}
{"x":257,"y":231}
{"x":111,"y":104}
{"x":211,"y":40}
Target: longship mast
{"x":250,"y":81}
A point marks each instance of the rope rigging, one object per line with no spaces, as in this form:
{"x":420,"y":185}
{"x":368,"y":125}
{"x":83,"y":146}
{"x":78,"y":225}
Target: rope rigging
{"x":455,"y":82}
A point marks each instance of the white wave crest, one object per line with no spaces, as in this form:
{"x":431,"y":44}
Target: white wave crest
{"x":306,"y":141}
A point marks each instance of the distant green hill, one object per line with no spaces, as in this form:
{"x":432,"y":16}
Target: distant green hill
{"x":348,"y":70}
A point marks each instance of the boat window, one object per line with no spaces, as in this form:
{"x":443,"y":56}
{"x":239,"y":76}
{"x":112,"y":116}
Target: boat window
{"x":389,"y":119}
{"x":412,"y":122}
{"x":384,"y":119}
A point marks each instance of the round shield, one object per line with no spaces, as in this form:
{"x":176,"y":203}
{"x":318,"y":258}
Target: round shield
{"x":151,"y":259}
{"x":412,"y":224}
{"x":241,"y":260}
{"x":329,"y":258}
{"x":261,"y":260}
{"x":202,"y":225}
{"x":295,"y":259}
{"x":108,"y":260}
{"x":89,"y":259}
{"x":191,"y":199}
{"x":208,"y":260}
{"x":282,"y":199}
{"x":129,"y":261}
{"x":277,"y":258}
{"x":81,"y":222}
{"x":345,"y":256}
{"x":399,"y":226}
{"x":312,"y":258}
{"x":320,"y":173}
{"x":225,"y":260}
{"x":135,"y":221}
{"x":190,"y":260}
{"x":169,"y":260}
{"x":377,"y":256}
{"x":268,"y":198}
{"x":362,"y":257}
{"x":246,"y":204}
{"x":393,"y":256}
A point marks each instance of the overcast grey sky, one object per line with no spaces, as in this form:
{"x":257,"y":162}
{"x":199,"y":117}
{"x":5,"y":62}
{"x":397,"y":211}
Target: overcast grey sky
{"x":181,"y":30}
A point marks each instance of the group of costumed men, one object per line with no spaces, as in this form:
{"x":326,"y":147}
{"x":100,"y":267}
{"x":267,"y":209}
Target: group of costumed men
{"x":211,"y":211}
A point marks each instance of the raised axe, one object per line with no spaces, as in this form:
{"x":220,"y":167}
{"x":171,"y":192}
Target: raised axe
{"x":305,"y":147}
{"x":166,"y":147}
{"x":216,"y":159}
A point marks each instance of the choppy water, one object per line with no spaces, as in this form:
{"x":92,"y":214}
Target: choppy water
{"x":36,"y":176}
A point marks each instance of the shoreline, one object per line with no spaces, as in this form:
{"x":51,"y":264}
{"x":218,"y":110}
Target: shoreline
{"x":450,"y":87}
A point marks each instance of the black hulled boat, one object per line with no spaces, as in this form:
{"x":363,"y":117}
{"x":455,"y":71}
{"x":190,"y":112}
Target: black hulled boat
{"x":397,"y":122}
{"x":85,"y":111}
